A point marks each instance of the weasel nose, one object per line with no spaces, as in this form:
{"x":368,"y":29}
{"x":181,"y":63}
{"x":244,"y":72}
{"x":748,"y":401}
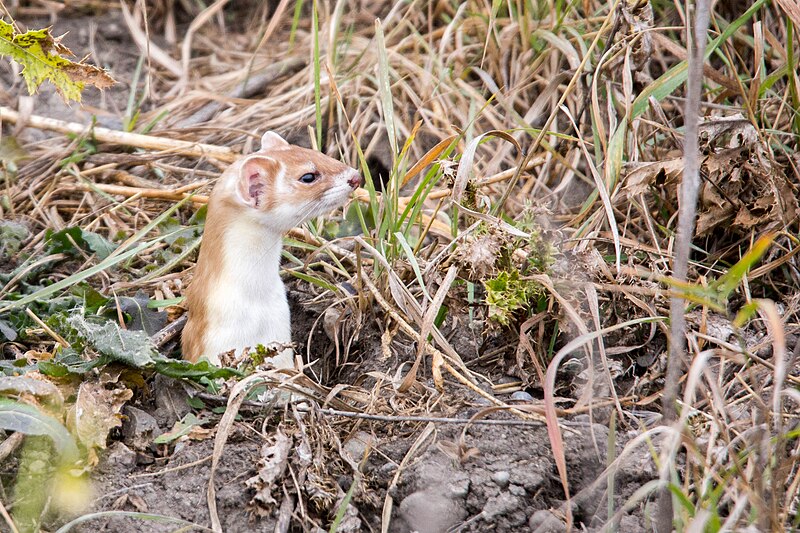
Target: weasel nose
{"x":355,"y":180}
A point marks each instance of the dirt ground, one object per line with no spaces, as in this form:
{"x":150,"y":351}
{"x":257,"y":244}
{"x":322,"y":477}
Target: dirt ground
{"x":488,"y":478}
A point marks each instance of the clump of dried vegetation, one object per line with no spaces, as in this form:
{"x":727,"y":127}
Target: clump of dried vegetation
{"x":522,"y":164}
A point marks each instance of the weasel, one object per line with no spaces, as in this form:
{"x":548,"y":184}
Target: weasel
{"x":237,"y":299}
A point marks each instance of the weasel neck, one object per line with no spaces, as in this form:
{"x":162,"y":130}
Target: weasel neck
{"x":248,"y":253}
{"x":252,"y":253}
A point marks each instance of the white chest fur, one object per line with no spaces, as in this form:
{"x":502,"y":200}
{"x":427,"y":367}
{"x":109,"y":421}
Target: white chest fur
{"x":249,"y":299}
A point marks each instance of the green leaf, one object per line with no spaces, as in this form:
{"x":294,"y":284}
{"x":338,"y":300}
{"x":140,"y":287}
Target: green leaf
{"x":68,"y":361}
{"x":56,"y":369}
{"x":508,"y":295}
{"x":98,"y":244}
{"x":159,"y":304}
{"x":195,"y":402}
{"x":143,"y":318}
{"x":319,"y":282}
{"x":8,"y":332}
{"x":413,"y":262}
{"x":733,"y":277}
{"x":683,"y":499}
{"x":12,"y":235}
{"x":73,"y":279}
{"x":15,"y":367}
{"x":62,"y":242}
{"x":15,"y":416}
{"x":181,"y":428}
{"x":92,"y":300}
{"x":384,"y":89}
{"x":134,"y":348}
{"x":179,"y":368}
{"x":41,"y":56}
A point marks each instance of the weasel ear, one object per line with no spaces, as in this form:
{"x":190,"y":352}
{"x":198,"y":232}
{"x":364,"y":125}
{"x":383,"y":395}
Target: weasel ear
{"x":256,"y":178}
{"x":272,"y":141}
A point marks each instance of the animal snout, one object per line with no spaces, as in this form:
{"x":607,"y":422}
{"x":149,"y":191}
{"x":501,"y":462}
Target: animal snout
{"x":355,"y":180}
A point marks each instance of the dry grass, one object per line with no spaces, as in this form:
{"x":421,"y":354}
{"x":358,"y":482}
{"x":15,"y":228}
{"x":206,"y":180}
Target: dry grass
{"x":555,"y":132}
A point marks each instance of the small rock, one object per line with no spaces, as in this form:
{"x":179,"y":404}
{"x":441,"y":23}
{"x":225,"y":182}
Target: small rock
{"x":501,"y":477}
{"x":356,"y":446}
{"x":545,"y":522}
{"x":387,"y":468}
{"x":521,"y":396}
{"x":500,"y":505}
{"x":530,"y":476}
{"x":171,"y":400}
{"x":431,"y":512}
{"x":117,"y":458}
{"x":517,"y":490}
{"x":139,"y":429}
{"x":459,"y":487}
{"x":630,"y":524}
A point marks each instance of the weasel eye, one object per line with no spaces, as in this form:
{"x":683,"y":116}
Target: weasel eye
{"x":308,"y":178}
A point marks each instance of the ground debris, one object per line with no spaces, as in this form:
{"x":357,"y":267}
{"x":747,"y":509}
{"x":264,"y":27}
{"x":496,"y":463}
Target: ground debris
{"x":271,"y":468}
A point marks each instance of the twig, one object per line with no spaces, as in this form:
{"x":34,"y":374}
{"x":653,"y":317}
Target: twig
{"x":158,"y":194}
{"x":8,"y":446}
{"x":7,"y":518}
{"x":169,"y":332}
{"x":55,"y":336}
{"x":686,"y":221}
{"x":148,"y":142}
{"x":249,"y":87}
{"x":175,"y":468}
{"x":435,"y":419}
{"x":410,"y":331}
{"x":146,"y":45}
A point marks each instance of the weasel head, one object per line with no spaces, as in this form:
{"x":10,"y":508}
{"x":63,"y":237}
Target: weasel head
{"x":283,"y":185}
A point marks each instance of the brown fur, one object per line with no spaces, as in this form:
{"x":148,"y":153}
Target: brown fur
{"x":209,"y":264}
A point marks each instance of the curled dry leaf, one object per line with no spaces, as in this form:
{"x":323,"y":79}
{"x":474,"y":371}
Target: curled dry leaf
{"x":32,"y":386}
{"x":271,"y":467}
{"x":639,"y":16}
{"x":42,"y":58}
{"x":96,"y":412}
{"x":742,"y":187}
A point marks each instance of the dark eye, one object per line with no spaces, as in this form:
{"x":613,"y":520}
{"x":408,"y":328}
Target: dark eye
{"x":308,"y":178}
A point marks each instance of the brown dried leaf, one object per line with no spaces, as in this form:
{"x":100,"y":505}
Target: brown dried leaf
{"x":639,"y":177}
{"x":272,"y":465}
{"x":97,"y":411}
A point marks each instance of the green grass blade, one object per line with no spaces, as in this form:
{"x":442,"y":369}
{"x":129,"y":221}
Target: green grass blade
{"x":317,"y":89}
{"x":384,"y":89}
{"x":413,"y":262}
{"x":676,"y":76}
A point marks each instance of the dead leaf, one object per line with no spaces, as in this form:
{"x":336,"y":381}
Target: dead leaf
{"x":200,"y":433}
{"x":742,"y":186}
{"x":272,"y":465}
{"x":96,"y":412}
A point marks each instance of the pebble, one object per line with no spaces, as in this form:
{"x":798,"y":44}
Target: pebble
{"x":428,"y":511}
{"x":139,"y":428}
{"x":501,"y":477}
{"x":459,"y":488}
{"x":521,"y":396}
{"x":545,"y":522}
{"x":517,"y":490}
{"x":117,"y":458}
